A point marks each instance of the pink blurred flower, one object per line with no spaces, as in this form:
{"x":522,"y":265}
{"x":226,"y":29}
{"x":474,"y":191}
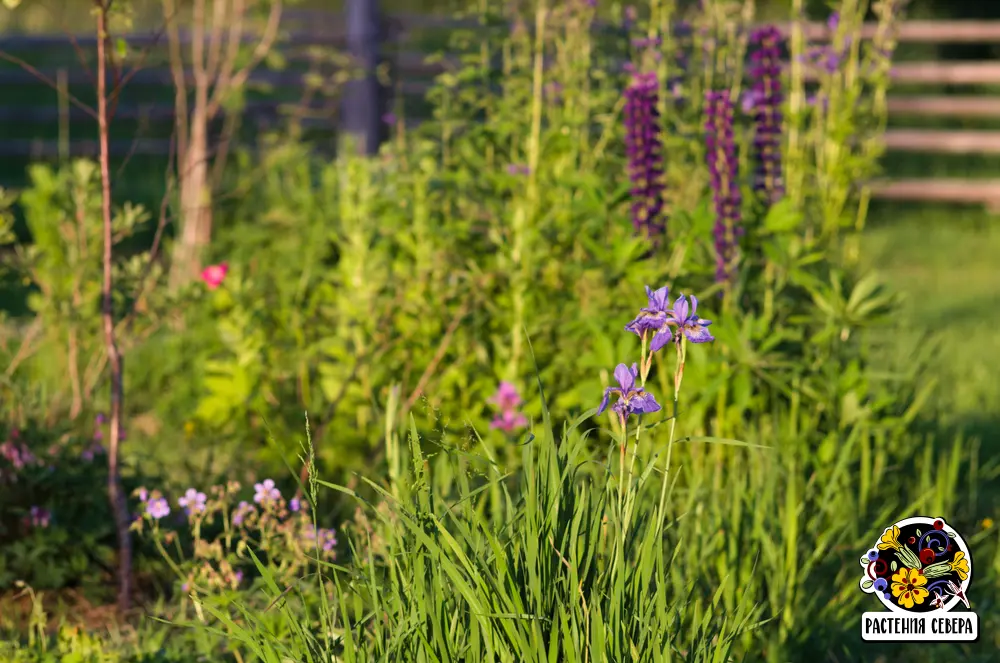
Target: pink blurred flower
{"x":213,"y":275}
{"x":506,"y":397}
{"x":509,"y":421}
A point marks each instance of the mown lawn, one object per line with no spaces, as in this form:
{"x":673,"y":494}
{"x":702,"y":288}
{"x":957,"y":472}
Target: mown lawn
{"x":945,"y":261}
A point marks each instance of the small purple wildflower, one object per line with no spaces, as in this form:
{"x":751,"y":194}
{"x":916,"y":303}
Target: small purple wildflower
{"x":40,"y":517}
{"x":646,"y":42}
{"x":100,"y":419}
{"x":142,"y":494}
{"x":294,"y":504}
{"x":632,"y":399}
{"x":243,"y":510}
{"x":749,"y":100}
{"x":553,"y":91}
{"x":518,"y":169}
{"x":327,"y":537}
{"x":266,"y":492}
{"x":389,"y":118}
{"x":158,"y":508}
{"x":631,"y":15}
{"x":644,"y":149}
{"x":18,"y":454}
{"x":95,"y":449}
{"x":765,"y":74}
{"x":192,"y":501}
{"x":825,"y":56}
{"x":723,"y":166}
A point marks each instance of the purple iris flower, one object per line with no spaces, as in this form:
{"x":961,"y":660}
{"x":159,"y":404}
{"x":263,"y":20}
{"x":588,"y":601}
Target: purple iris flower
{"x":632,"y":399}
{"x":655,"y":317}
{"x":685,"y":317}
{"x":651,"y":316}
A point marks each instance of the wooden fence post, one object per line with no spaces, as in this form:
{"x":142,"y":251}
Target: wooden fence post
{"x":361,"y":103}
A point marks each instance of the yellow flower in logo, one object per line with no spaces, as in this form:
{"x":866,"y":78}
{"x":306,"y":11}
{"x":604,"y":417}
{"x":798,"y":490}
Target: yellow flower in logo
{"x":960,"y":565}
{"x":908,"y":587}
{"x":890,"y":539}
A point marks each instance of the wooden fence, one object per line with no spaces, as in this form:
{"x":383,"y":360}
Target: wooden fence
{"x":369,"y":38}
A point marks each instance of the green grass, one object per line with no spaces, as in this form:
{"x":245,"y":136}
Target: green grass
{"x":944,"y":261}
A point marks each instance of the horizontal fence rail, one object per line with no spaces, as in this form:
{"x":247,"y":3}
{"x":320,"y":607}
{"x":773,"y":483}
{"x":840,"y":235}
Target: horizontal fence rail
{"x":413,"y":75}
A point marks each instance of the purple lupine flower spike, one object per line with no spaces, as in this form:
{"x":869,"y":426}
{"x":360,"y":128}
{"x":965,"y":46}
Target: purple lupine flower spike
{"x":645,"y":153}
{"x":632,"y":399}
{"x":723,"y":166}
{"x":765,"y":74}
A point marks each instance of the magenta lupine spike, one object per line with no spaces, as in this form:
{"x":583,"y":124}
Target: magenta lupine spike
{"x":644,"y":149}
{"x":767,"y":96}
{"x":724,"y":169}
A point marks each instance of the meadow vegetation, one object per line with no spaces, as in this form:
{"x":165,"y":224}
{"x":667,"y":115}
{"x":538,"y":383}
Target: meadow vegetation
{"x":373,"y":430}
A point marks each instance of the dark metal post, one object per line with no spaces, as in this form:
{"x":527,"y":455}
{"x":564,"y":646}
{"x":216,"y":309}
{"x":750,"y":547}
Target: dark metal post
{"x":361,"y":113}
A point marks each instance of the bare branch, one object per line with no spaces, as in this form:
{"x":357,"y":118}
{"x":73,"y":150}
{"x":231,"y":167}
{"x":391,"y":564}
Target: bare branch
{"x":232,"y":47}
{"x":116,"y":495}
{"x":224,"y":84}
{"x":215,"y":38}
{"x":180,"y":85}
{"x":48,"y":81}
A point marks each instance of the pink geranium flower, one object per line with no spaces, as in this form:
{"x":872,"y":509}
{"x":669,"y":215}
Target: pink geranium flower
{"x":213,"y":275}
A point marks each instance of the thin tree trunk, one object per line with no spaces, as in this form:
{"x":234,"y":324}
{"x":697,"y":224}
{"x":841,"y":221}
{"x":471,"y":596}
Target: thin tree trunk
{"x":115,"y":491}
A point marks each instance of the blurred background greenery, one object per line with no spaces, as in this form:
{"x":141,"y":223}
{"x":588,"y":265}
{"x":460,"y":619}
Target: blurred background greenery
{"x":238,"y":365}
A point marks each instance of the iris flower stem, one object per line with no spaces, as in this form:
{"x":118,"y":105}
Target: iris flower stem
{"x":621,"y":468}
{"x":678,"y":378}
{"x":643,"y":364}
{"x":630,"y":500}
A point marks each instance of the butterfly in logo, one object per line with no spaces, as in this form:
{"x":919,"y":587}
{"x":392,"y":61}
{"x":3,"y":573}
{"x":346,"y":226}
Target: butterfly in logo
{"x":955,"y":590}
